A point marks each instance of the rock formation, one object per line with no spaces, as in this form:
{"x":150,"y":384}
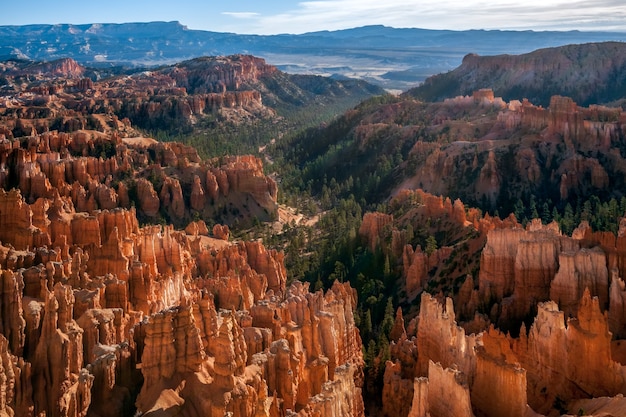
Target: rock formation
{"x":103,"y":317}
{"x":106,"y":311}
{"x":420,"y":263}
{"x":535,"y":75}
{"x":372,"y":228}
{"x":562,"y":283}
{"x":58,"y":95}
{"x":149,"y":175}
{"x":494,"y":154}
{"x":92,"y":303}
{"x":540,"y":300}
{"x":532,"y":372}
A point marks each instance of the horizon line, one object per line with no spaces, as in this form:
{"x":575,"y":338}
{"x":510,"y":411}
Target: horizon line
{"x":374,"y":25}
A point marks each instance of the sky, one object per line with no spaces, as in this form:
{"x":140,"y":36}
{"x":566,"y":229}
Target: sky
{"x":289,"y":16}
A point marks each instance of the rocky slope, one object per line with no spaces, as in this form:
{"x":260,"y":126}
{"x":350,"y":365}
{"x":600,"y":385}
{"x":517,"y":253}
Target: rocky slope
{"x":541,"y":317}
{"x":162,"y":181}
{"x":101,"y":316}
{"x":116,"y":298}
{"x":590,"y":73}
{"x":59,"y":95}
{"x":488,"y":152}
{"x":536,"y":373}
{"x":563,"y":152}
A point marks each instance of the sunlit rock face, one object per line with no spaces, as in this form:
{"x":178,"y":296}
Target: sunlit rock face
{"x":562,"y":283}
{"x":96,"y":308}
{"x":102,"y":316}
{"x":137,"y":172}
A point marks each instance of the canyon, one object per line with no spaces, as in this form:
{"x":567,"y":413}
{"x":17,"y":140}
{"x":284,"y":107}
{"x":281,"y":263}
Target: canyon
{"x":98,"y":311}
{"x":102,"y":316}
{"x":132,"y":282}
{"x":117,"y":297}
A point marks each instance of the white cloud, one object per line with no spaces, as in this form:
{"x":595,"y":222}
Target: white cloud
{"x":242,"y":15}
{"x":445,"y":14}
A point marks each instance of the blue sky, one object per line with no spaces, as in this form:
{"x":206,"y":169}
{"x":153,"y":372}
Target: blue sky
{"x":287,"y":16}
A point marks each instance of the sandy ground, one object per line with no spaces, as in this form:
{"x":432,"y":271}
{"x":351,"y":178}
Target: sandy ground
{"x":208,"y":243}
{"x":287,"y":215}
{"x":139,"y":141}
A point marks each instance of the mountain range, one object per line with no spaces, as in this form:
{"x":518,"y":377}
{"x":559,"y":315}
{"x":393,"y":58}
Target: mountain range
{"x":390,"y":57}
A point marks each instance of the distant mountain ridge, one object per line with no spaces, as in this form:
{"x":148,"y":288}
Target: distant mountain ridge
{"x":394,"y":58}
{"x":217,"y":98}
{"x":592,"y":73}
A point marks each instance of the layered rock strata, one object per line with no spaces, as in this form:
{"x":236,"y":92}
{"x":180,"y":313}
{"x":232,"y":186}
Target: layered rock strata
{"x":542,"y":321}
{"x":536,"y":372}
{"x":140,"y":172}
{"x":103,"y":317}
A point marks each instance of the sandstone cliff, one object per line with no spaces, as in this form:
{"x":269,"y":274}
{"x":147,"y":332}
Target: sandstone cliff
{"x":535,"y":372}
{"x":94,"y":172}
{"x":536,"y":75}
{"x":92,"y":303}
{"x":59,"y":96}
{"x":555,"y":296}
{"x":490,"y":153}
